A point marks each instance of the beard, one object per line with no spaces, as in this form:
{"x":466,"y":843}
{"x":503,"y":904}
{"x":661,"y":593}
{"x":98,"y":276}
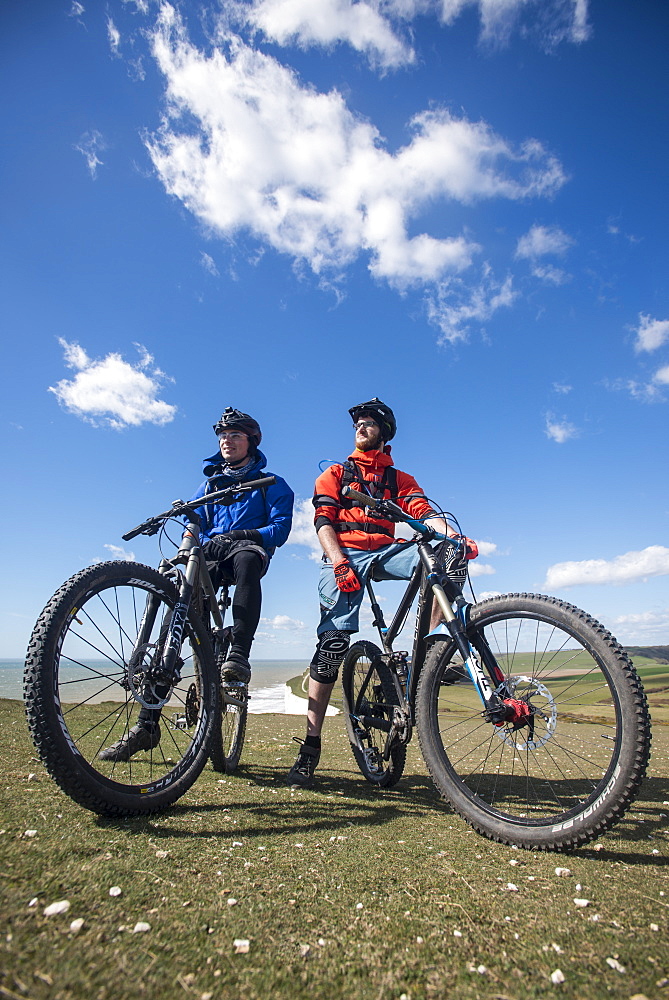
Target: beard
{"x":370,"y":443}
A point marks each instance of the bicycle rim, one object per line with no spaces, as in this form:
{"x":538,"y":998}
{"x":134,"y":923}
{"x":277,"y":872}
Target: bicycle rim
{"x":369,"y":694}
{"x":228,"y":738}
{"x":572,"y":768}
{"x":83,"y":675}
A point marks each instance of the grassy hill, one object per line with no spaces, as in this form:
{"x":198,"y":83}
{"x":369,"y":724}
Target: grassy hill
{"x":341,"y":891}
{"x":658,"y":653}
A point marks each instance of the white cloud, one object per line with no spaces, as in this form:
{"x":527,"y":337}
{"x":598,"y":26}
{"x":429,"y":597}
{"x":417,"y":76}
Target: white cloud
{"x":90,"y":144}
{"x":480,"y":569}
{"x":375,"y":27}
{"x":209,"y":264}
{"x":562,"y":388}
{"x":303,"y":531}
{"x":559,"y":430}
{"x":258,"y":151}
{"x":117,"y":552}
{"x":114,"y":36}
{"x":281,"y":630}
{"x":454,"y":305}
{"x":651,"y":333}
{"x":627,"y":568}
{"x":111,"y":391}
{"x":141,"y":6}
{"x":542,"y":240}
{"x":487,"y":548}
{"x":328,"y":22}
{"x":550,"y":274}
{"x":557,"y":20}
{"x":645,"y":628}
{"x":282,"y":623}
{"x":646,"y":392}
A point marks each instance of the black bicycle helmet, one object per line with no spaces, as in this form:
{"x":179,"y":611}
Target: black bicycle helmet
{"x":383,"y":415}
{"x":235,"y":420}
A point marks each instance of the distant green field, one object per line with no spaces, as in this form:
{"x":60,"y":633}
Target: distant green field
{"x":654,"y":676}
{"x":655,"y":679}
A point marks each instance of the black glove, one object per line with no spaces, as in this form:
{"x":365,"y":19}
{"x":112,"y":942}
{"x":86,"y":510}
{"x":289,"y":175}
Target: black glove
{"x":218,"y":547}
{"x":244,"y":535}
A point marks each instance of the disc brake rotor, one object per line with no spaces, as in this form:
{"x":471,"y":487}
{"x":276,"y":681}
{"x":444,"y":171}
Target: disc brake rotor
{"x":143,"y":685}
{"x":543,"y":710}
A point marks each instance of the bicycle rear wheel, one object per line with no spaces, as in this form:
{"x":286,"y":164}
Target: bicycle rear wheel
{"x":370,"y":699}
{"x":81,"y":669}
{"x":571,"y":766}
{"x":230,"y":731}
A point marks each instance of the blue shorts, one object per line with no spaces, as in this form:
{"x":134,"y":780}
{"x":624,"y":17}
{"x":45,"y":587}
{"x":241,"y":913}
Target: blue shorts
{"x":396,"y":561}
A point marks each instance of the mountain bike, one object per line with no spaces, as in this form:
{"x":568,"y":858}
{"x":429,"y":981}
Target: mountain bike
{"x":121,"y":637}
{"x":531,"y":719}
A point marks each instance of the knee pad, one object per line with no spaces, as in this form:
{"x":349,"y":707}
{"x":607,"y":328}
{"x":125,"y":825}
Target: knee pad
{"x":330,"y":651}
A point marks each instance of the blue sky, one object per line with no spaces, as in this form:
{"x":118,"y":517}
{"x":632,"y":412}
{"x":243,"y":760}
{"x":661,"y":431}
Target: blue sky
{"x":289,"y":206}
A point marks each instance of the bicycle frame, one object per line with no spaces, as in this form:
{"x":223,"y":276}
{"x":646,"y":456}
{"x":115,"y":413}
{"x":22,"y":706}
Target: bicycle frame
{"x":197,"y":574}
{"x":427,"y":576}
{"x":417,"y":586}
{"x":194,"y":577}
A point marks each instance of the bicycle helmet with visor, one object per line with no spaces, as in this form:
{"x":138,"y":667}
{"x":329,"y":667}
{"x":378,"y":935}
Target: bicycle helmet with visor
{"x":235,"y":420}
{"x":383,"y":415}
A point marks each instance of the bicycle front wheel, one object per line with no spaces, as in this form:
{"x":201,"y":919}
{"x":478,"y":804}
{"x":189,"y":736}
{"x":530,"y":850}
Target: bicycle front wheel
{"x":88,"y":660}
{"x":369,"y":701}
{"x":571,"y":764}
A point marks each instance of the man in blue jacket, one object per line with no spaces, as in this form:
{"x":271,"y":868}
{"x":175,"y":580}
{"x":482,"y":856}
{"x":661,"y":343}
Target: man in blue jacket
{"x":238,"y":542}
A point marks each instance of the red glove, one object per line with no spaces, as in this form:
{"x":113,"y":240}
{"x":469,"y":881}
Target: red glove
{"x":471,"y":548}
{"x":345,"y":577}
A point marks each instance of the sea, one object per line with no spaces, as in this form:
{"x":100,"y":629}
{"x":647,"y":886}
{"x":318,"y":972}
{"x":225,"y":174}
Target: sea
{"x":268,"y":689}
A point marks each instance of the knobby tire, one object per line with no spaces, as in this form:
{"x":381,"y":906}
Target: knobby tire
{"x":78,"y":700}
{"x":575,"y":774}
{"x":369,"y":690}
{"x":229,"y":732}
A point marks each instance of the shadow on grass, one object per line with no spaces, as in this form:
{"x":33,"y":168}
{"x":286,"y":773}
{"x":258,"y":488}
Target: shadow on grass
{"x":333,"y":803}
{"x":339,"y":802}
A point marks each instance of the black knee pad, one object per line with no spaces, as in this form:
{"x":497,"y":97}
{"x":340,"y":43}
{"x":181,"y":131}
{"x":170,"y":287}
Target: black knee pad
{"x":330,"y":651}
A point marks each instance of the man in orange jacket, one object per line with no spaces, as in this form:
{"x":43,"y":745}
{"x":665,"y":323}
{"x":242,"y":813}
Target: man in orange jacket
{"x":355,"y":543}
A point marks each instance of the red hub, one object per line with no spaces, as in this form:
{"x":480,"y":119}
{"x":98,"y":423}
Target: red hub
{"x":517,"y":713}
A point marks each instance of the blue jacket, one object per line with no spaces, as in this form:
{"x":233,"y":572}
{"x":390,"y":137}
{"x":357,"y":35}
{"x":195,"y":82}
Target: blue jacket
{"x":270,"y":511}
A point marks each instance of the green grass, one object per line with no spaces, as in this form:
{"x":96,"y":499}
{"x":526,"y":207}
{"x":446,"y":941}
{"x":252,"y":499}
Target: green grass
{"x":342,"y":891}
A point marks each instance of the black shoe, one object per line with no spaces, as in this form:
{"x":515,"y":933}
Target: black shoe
{"x":302,"y":771}
{"x":236,"y":668}
{"x":139,"y":738}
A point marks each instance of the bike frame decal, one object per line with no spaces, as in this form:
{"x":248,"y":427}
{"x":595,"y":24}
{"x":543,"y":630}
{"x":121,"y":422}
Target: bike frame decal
{"x":177,"y":624}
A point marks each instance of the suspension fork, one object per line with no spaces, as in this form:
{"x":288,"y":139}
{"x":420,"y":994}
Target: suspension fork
{"x":171,"y":646}
{"x":495,"y":709}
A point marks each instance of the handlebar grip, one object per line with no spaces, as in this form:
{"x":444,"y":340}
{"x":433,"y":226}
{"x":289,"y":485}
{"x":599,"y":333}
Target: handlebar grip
{"x":259,"y":483}
{"x":362,"y":498}
{"x":132,"y":534}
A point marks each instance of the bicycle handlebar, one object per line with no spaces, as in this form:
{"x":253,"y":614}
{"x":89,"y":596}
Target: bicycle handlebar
{"x":367,"y":501}
{"x":179,"y":507}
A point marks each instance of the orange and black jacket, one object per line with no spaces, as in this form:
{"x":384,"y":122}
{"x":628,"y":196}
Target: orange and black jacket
{"x":357,"y":527}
